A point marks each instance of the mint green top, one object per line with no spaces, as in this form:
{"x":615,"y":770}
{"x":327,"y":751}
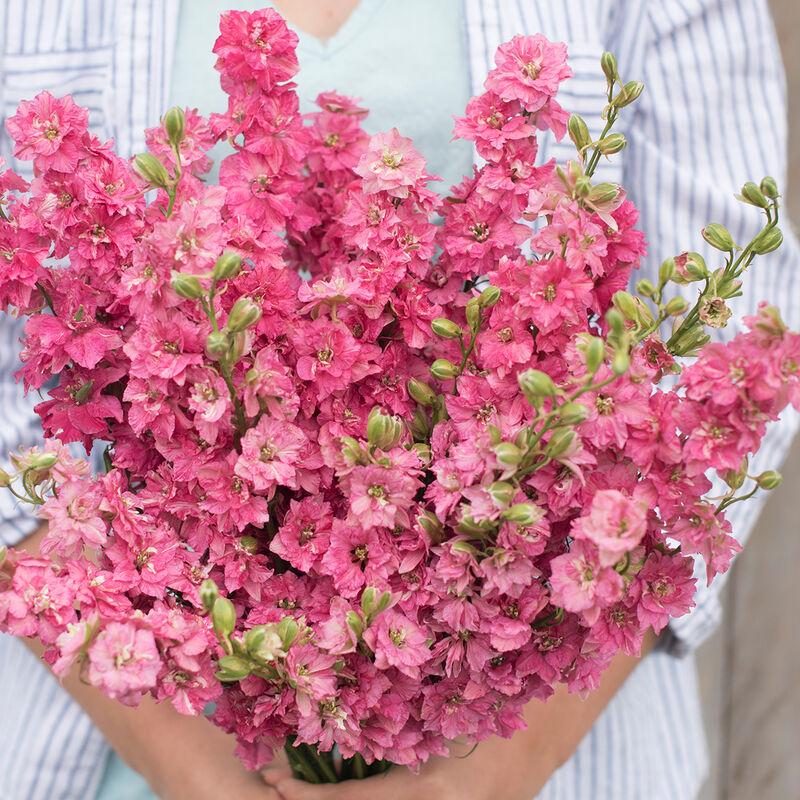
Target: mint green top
{"x":406,"y":59}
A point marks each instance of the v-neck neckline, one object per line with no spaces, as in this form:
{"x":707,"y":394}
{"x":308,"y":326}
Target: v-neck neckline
{"x":349,"y":30}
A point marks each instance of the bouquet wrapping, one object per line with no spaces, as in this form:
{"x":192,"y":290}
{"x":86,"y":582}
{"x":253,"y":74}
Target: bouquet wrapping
{"x":380,"y":466}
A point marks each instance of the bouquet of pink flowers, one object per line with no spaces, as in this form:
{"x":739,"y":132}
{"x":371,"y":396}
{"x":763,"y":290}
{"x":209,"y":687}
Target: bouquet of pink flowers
{"x":372,"y":482}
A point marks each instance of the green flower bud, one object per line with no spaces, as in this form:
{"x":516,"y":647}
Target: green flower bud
{"x":424,"y":452}
{"x":3,"y":554}
{"x":522,"y":514}
{"x":446,"y":329}
{"x":355,"y":623}
{"x":369,"y":601}
{"x":420,"y":427}
{"x":489,"y":297}
{"x":666,"y":271}
{"x":464,"y":547}
{"x":384,"y":601}
{"x":175,"y":125}
{"x":42,"y":461}
{"x":770,"y":188}
{"x":583,"y":187}
{"x":768,"y":240}
{"x":769,"y":480}
{"x":227,"y":266}
{"x":186,"y":286}
{"x":629,"y":94}
{"x":753,"y":195}
{"x":718,"y":236}
{"x":603,"y":193}
{"x":612,"y":143}
{"x":615,"y":321}
{"x":676,"y":306}
{"x":594,"y":354}
{"x":579,"y":133}
{"x":208,"y":593}
{"x":572,"y":413}
{"x":621,"y":361}
{"x":5,"y":479}
{"x":383,"y":430}
{"x":626,"y":305}
{"x":244,"y":314}
{"x":216,"y":345}
{"x":232,"y":668}
{"x":223,"y":615}
{"x":421,"y":392}
{"x":735,"y":477}
{"x":249,"y":544}
{"x":536,"y":385}
{"x":287,"y":631}
{"x":351,"y":450}
{"x":608,"y":63}
{"x":509,"y":455}
{"x":444,"y":370}
{"x":559,"y":442}
{"x":263,"y":642}
{"x":502,"y":492}
{"x":473,"y":312}
{"x":645,"y":288}
{"x":152,"y":170}
{"x":430,"y":523}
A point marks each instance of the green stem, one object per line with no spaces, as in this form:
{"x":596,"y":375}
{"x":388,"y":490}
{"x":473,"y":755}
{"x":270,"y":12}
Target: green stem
{"x":301,"y":767}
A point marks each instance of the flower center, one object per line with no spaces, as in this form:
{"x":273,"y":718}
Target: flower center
{"x":479,"y":231}
{"x":398,"y":637}
{"x":604,"y":405}
{"x":550,"y":292}
{"x":325,"y":356}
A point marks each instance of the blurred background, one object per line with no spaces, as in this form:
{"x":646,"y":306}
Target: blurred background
{"x":750,"y":669}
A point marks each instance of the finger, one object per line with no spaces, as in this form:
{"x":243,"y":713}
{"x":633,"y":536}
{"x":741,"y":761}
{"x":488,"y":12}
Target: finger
{"x":273,"y":775}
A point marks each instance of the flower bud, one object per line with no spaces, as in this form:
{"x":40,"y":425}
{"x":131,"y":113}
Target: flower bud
{"x":629,"y":94}
{"x":446,"y":329}
{"x":753,"y":195}
{"x":572,"y":413}
{"x":718,"y":236}
{"x":384,"y":601}
{"x":501,"y":492}
{"x":464,"y":548}
{"x":626,"y":305}
{"x":735,"y":477}
{"x":424,"y":452}
{"x":208,"y":593}
{"x":608,"y":63}
{"x":355,"y":623}
{"x":216,"y":345}
{"x":152,"y":170}
{"x":223,"y":615}
{"x":769,"y":480}
{"x":263,"y":642}
{"x":594,"y":354}
{"x":232,"y":668}
{"x":559,"y":442}
{"x":536,"y":385}
{"x":621,"y":361}
{"x":249,"y":544}
{"x":351,"y":450}
{"x":42,"y":461}
{"x":186,"y":286}
{"x":430,"y":523}
{"x":768,"y":240}
{"x":611,"y":144}
{"x":645,"y":288}
{"x":522,"y":514}
{"x":421,"y":392}
{"x":383,"y":430}
{"x":579,"y":133}
{"x":509,"y":455}
{"x":676,"y":306}
{"x":3,"y":554}
{"x":489,"y":297}
{"x":473,"y":312}
{"x":5,"y":479}
{"x":770,"y":188}
{"x":420,"y":427}
{"x":666,"y":271}
{"x":287,"y":631}
{"x":369,"y":601}
{"x":444,"y":370}
{"x":175,"y":125}
{"x":244,"y":314}
{"x":604,"y":193}
{"x":583,"y":186}
{"x":615,"y":321}
{"x":227,"y":266}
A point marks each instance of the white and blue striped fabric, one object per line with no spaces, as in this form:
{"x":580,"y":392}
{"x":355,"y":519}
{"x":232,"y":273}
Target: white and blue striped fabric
{"x":712,"y":116}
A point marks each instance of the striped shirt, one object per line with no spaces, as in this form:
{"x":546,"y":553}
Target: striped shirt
{"x":712,"y":117}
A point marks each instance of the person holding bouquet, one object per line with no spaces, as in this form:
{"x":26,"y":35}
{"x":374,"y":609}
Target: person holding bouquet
{"x":646,"y":740}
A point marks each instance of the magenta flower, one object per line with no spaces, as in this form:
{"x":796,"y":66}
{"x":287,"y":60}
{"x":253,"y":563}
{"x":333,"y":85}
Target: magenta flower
{"x":397,"y":642}
{"x":270,"y":452}
{"x":391,"y":164}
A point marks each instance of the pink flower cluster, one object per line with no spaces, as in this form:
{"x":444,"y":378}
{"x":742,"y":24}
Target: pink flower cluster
{"x":427,"y":504}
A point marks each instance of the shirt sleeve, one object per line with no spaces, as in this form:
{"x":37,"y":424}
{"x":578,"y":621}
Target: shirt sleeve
{"x":712,"y":116}
{"x":19,"y":427}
